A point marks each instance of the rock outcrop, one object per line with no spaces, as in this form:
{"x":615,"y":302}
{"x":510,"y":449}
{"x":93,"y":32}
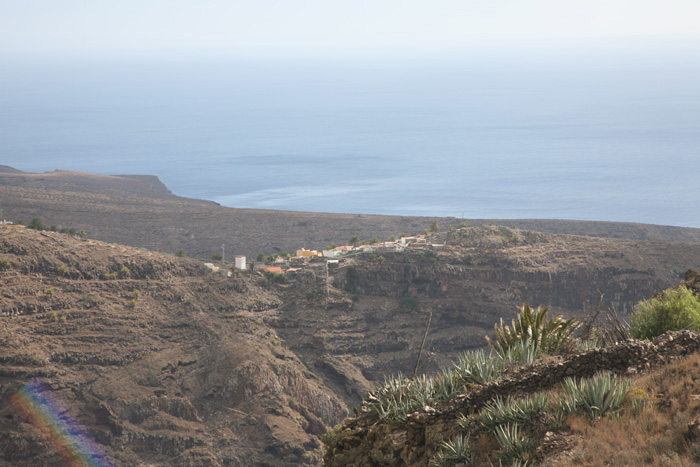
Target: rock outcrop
{"x":483,"y":274}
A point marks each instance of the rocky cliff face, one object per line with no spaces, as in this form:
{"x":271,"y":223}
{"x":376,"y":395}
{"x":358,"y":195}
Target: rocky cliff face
{"x":482,"y":274}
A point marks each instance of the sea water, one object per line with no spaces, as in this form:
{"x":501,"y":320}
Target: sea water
{"x":612,"y":138}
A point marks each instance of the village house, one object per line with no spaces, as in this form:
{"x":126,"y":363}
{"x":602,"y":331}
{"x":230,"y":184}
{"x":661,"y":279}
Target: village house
{"x":308,"y":253}
{"x":338,"y":251}
{"x":274,"y":269}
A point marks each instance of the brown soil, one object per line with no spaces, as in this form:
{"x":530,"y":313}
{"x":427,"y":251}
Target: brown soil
{"x":167,"y":364}
{"x":164,"y":364}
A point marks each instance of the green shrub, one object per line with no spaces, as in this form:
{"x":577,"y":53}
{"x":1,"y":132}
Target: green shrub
{"x":4,"y":264}
{"x":275,"y":277}
{"x":423,"y":256}
{"x":180,"y":253}
{"x":410,"y":303}
{"x":314,"y":294}
{"x":673,"y":310}
{"x":352,"y":279}
{"x":36,"y":224}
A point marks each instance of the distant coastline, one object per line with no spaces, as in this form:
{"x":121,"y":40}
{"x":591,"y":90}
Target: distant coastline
{"x":486,"y":137}
{"x":140,"y":211}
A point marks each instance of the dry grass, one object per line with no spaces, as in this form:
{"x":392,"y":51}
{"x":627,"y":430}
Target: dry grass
{"x":668,"y":399}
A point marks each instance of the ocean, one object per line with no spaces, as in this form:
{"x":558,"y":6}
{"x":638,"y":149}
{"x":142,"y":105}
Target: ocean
{"x":602,"y":137}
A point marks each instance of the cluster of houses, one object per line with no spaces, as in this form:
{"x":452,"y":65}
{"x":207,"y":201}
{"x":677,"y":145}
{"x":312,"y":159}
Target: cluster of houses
{"x":333,"y":256}
{"x":409,"y":242}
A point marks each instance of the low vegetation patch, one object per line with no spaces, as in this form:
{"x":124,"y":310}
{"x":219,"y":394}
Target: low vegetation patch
{"x":673,"y":310}
{"x":585,"y":415}
{"x":409,"y":303}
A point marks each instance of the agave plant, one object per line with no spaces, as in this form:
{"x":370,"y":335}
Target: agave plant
{"x":598,"y":395}
{"x":447,"y":384}
{"x":401,"y":396}
{"x":455,"y":450}
{"x":478,"y":367}
{"x":511,"y":410}
{"x":515,"y":448}
{"x":522,"y":353}
{"x":548,"y":335}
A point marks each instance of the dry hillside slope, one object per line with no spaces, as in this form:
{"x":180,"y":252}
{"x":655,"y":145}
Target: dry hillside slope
{"x":161,"y":362}
{"x":373,"y":323}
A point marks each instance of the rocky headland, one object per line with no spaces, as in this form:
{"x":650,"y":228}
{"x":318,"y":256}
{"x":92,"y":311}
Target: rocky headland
{"x":140,"y":211}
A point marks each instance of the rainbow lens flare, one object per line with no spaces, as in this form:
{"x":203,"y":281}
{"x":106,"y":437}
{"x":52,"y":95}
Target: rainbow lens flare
{"x":55,"y":423}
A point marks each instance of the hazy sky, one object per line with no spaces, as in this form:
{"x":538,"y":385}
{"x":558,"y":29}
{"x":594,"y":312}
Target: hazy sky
{"x":331,"y":27}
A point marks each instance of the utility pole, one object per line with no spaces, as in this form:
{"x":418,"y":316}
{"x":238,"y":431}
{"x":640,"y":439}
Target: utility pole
{"x":328,"y":287}
{"x":420,"y":351}
{"x":223,"y":254}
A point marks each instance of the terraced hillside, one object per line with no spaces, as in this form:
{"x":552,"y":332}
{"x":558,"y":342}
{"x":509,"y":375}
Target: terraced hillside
{"x":374,"y":321}
{"x":161,"y":362}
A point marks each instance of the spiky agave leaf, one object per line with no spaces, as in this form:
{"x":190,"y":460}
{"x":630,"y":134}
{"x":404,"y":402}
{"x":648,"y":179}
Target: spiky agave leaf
{"x":548,"y":335}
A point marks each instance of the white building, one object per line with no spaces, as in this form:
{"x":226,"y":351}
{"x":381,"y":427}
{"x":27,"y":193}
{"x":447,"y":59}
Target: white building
{"x":240,"y":262}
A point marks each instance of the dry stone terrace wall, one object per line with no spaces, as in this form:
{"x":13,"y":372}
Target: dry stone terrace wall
{"x":626,"y":357}
{"x":367,"y":441}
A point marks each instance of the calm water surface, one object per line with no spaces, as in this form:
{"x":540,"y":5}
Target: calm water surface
{"x":556,"y":137}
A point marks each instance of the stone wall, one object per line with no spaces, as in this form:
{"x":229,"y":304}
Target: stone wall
{"x":365,"y":440}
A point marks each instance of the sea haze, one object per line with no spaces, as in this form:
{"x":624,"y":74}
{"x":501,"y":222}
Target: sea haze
{"x":559,"y":135}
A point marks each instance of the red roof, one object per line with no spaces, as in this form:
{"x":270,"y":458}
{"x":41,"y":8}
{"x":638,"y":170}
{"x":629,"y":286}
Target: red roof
{"x":275,"y":269}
